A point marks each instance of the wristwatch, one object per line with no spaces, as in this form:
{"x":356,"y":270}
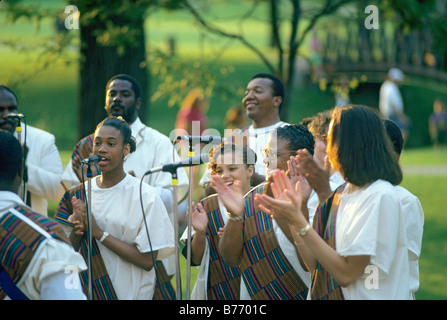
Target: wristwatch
{"x":304,"y":230}
{"x":104,"y":236}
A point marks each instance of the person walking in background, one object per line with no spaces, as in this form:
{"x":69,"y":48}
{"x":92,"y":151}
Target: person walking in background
{"x":437,"y":124}
{"x":43,"y":162}
{"x":391,"y":104}
{"x":128,"y":236}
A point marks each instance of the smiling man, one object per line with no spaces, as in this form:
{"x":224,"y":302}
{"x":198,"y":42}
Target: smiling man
{"x":262,"y":101}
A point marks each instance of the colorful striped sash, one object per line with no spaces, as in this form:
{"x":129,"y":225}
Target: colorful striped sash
{"x":267,"y":273}
{"x":323,"y":285}
{"x":102,"y":288}
{"x":84,"y":148}
{"x":223,"y":281}
{"x":163,"y":286}
{"x":19,"y":240}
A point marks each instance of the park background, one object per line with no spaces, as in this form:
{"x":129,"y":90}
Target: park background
{"x":183,"y":54}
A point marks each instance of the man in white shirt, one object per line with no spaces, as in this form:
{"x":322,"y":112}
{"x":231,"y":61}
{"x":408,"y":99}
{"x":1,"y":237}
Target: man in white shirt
{"x":40,"y":263}
{"x":43,"y":162}
{"x":391,"y":103}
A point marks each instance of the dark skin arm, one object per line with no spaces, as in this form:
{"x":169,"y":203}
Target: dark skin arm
{"x":126,"y":251}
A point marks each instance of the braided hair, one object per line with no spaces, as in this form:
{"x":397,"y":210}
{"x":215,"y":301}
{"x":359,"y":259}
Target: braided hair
{"x":297,"y":137}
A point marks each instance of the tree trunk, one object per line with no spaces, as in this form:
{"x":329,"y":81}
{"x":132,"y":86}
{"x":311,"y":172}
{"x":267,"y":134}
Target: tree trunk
{"x":100,"y":61}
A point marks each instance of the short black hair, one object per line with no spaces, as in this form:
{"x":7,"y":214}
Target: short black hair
{"x":10,"y":157}
{"x":297,"y":137}
{"x":395,"y":135}
{"x":278,"y":86}
{"x":6,"y":88}
{"x":135,"y":85}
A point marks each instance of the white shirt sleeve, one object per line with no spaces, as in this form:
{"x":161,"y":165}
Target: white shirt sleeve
{"x":59,"y":287}
{"x":367,"y":226}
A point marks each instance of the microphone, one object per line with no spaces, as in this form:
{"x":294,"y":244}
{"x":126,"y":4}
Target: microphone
{"x":15,"y":115}
{"x":170,"y":167}
{"x":200,"y":138}
{"x":94,"y":158}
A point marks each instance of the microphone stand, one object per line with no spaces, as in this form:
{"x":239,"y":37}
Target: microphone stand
{"x":189,"y":223}
{"x":178,"y":288}
{"x":89,"y":233}
{"x":22,"y":185}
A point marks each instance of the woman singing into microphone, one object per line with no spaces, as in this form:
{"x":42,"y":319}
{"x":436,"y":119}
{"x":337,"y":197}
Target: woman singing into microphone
{"x":123,"y":250}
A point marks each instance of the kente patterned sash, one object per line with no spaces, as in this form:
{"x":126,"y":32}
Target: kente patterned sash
{"x":223,"y":281}
{"x":19,"y":240}
{"x":163,"y":286}
{"x":323,"y":285}
{"x":267,"y":273}
{"x":84,"y":148}
{"x":102,"y":288}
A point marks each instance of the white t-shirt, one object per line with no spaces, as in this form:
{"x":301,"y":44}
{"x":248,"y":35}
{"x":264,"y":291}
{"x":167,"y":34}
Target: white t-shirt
{"x":414,"y":221}
{"x":117,"y":210}
{"x":370,"y":222}
{"x":390,"y":96}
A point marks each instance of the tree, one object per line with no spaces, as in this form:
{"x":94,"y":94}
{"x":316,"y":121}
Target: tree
{"x":112,"y":41}
{"x":286,"y":47}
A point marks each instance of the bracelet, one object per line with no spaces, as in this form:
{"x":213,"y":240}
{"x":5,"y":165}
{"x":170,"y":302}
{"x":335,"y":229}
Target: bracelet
{"x":235,"y":218}
{"x":104,"y":236}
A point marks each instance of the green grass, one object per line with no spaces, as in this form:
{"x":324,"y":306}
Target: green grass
{"x":433,"y":261}
{"x":424,"y":156}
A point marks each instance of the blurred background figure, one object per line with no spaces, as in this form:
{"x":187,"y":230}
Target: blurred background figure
{"x":391,"y":103}
{"x":437,"y":124}
{"x":193,"y":108}
{"x":236,"y":118}
{"x":191,"y":118}
{"x":341,"y":91}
